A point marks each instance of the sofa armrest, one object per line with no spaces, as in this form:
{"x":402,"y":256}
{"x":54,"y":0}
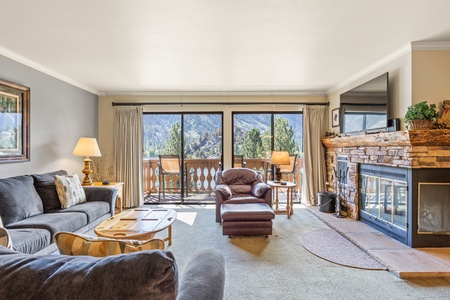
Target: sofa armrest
{"x":204,"y":276}
{"x":105,"y":194}
{"x":260,"y":189}
{"x":224,"y":191}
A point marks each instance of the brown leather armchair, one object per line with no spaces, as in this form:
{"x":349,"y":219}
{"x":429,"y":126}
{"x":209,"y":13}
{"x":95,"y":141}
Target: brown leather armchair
{"x":240,"y":185}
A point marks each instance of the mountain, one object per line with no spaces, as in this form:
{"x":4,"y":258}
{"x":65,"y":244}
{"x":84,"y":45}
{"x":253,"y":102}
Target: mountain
{"x":203,"y":133}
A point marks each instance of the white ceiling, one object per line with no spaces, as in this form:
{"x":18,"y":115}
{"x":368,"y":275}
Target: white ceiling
{"x":308,"y":46}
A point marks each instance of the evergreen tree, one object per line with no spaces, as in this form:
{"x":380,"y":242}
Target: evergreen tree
{"x":252,"y":146}
{"x":284,"y":136}
{"x":266,"y":144}
{"x":173,"y":145}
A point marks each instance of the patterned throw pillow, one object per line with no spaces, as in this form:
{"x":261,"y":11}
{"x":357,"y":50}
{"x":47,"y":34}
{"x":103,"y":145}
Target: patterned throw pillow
{"x":5,"y":239}
{"x":69,"y":243}
{"x":70,"y":191}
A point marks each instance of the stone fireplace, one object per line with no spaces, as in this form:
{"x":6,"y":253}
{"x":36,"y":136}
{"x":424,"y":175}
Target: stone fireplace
{"x":397,"y":182}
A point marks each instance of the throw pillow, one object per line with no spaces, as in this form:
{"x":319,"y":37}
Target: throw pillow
{"x":70,"y":191}
{"x":69,"y":243}
{"x":46,"y":188}
{"x":5,"y":239}
{"x":18,"y":199}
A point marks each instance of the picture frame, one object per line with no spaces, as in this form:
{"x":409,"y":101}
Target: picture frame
{"x":14,"y":122}
{"x":335,"y":117}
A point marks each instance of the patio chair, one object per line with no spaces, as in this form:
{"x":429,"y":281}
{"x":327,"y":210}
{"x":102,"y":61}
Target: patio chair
{"x":238,"y":161}
{"x":288,"y":170}
{"x":168,"y":165}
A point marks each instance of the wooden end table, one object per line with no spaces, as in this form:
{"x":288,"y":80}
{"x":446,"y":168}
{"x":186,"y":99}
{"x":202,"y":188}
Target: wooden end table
{"x":289,"y":186}
{"x":138,"y":224}
{"x":116,"y":185}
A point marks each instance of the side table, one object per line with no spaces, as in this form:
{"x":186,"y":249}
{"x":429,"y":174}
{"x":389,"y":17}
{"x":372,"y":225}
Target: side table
{"x":289,"y":186}
{"x":119,"y":187}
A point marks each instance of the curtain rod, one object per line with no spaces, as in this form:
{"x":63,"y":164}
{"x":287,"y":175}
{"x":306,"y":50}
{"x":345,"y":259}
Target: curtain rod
{"x":216,"y":103}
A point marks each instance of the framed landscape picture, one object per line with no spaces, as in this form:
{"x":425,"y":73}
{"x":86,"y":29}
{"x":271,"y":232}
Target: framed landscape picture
{"x":14,"y":122}
{"x":335,"y":117}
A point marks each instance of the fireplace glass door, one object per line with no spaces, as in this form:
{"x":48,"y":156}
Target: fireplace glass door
{"x":384,"y":197}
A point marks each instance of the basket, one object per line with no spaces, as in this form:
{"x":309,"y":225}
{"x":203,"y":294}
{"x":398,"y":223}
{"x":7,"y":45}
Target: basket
{"x":419,"y":124}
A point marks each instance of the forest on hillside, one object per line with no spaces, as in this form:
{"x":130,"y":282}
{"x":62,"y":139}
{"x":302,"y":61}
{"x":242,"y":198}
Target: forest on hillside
{"x":203,"y":134}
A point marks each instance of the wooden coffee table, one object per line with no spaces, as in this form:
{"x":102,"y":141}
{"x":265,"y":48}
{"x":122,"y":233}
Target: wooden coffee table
{"x":138,"y":224}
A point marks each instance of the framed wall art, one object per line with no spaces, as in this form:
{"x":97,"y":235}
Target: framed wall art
{"x":335,"y":117}
{"x":14,"y":122}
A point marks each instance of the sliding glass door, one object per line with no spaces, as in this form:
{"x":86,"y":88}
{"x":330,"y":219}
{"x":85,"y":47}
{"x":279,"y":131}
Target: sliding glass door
{"x":182,"y":152}
{"x":256,"y":135}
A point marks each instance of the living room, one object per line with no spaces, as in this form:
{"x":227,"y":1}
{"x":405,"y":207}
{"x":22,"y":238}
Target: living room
{"x":72,"y":97}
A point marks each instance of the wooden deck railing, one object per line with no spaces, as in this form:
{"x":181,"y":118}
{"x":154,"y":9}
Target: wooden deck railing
{"x":200,"y":175}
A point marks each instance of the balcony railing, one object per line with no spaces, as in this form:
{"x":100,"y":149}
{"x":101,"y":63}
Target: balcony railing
{"x":199,"y":174}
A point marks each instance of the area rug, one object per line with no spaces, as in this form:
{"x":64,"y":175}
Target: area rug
{"x":330,"y":245}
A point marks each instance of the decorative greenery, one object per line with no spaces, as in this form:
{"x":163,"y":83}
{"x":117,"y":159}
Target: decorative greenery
{"x":421,"y":111}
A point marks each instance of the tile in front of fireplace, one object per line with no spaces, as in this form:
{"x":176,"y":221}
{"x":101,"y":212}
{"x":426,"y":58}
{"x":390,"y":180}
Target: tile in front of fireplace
{"x":441,"y":255}
{"x":410,"y":263}
{"x":375,"y":241}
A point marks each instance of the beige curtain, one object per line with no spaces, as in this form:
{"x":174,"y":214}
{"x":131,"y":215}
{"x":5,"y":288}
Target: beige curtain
{"x":128,"y":153}
{"x":314,"y":128}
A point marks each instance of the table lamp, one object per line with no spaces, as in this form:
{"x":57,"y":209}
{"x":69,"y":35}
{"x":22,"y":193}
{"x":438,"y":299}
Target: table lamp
{"x":279,"y":158}
{"x":87,"y":147}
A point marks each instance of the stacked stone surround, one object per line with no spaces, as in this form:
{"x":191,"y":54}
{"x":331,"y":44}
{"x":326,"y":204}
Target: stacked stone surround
{"x":403,"y":149}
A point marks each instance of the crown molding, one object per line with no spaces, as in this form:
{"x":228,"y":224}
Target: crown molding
{"x":382,"y":62}
{"x":215,"y":93}
{"x":34,"y":65}
{"x":417,"y":46}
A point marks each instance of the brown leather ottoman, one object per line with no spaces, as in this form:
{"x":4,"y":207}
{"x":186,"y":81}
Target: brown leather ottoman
{"x":247,"y":219}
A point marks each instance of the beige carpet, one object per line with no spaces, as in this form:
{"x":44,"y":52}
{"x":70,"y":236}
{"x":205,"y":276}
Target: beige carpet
{"x":330,"y":245}
{"x":279,"y":267}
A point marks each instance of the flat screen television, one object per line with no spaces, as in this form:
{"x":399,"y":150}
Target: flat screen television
{"x":365,"y":108}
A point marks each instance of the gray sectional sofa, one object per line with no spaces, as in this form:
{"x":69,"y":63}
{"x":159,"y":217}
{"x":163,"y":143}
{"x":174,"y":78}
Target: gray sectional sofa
{"x":140,"y":275}
{"x":31,"y":211}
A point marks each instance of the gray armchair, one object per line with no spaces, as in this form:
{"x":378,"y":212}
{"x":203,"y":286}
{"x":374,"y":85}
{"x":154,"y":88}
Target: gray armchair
{"x":240,"y":185}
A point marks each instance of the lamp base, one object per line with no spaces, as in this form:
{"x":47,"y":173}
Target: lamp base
{"x":277,"y":174}
{"x":87,"y":172}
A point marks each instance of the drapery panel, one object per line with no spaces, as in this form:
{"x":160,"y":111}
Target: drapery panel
{"x":315,"y":125}
{"x":128,"y":153}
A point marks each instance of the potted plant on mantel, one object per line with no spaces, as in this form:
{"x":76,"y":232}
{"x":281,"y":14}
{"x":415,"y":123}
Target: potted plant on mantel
{"x":421,"y":116}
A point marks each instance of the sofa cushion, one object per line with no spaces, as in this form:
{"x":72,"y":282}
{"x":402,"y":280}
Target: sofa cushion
{"x":30,"y":240}
{"x":67,"y":221}
{"x":79,"y":244}
{"x":93,"y":210}
{"x":239,"y":176}
{"x":46,"y":188}
{"x":139,"y":275}
{"x":69,"y":189}
{"x":18,"y":199}
{"x":240,"y":189}
{"x":240,"y":199}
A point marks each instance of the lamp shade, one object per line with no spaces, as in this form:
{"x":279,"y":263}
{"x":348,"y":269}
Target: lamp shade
{"x":280,"y":158}
{"x":87,"y":147}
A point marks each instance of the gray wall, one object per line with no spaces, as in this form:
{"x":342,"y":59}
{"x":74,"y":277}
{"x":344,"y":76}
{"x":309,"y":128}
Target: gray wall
{"x":60,"y":114}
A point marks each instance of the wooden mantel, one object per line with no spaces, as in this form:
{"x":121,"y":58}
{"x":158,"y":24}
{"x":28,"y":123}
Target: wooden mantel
{"x":433,"y":137}
{"x":411,"y":149}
